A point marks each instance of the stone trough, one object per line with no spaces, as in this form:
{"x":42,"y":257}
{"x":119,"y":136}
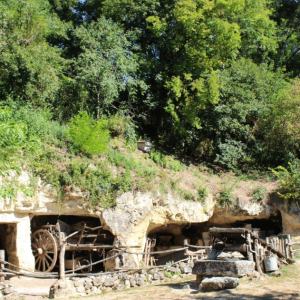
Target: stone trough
{"x":220,"y":268}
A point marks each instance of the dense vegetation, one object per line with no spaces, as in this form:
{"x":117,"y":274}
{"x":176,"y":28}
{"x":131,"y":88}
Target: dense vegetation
{"x":207,"y":80}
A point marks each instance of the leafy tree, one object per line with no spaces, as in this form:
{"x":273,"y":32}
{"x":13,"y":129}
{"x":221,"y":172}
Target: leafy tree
{"x":287,"y":16}
{"x":258,"y":31}
{"x":183,"y":44}
{"x":231,"y":127}
{"x":106,"y":65}
{"x":281,"y":126}
{"x":30,"y":68}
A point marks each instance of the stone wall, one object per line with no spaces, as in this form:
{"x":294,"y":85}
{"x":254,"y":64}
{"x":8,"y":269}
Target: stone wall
{"x":78,"y":286}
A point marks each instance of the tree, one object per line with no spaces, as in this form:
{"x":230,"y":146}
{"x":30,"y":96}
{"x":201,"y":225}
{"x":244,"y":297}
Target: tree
{"x":30,"y":68}
{"x":281,"y":126}
{"x":287,"y":16}
{"x":183,"y":44}
{"x":233,"y":128}
{"x":106,"y":65}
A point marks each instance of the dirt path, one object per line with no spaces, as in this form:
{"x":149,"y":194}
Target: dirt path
{"x":286,"y":287}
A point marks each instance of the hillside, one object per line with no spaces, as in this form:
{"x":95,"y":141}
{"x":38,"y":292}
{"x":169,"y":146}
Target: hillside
{"x":52,"y":157}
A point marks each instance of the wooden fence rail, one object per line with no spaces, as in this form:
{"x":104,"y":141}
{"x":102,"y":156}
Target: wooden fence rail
{"x":281,"y":244}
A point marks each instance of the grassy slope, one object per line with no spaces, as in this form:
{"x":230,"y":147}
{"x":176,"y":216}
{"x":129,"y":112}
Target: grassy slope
{"x":124,"y":168}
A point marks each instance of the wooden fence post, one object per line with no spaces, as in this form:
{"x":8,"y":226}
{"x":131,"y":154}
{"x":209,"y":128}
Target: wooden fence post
{"x":249,"y":248}
{"x":2,"y":258}
{"x":291,"y":246}
{"x":257,"y":261}
{"x":62,"y":261}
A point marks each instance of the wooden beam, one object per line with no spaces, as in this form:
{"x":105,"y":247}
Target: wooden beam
{"x":62,"y":275}
{"x":227,"y":230}
{"x":2,"y":258}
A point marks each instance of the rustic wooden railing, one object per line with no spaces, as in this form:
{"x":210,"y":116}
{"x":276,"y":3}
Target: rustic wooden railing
{"x":280,"y":245}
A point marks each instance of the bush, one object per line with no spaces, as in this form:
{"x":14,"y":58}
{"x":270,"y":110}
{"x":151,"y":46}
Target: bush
{"x":202,"y":193}
{"x":259,"y":193}
{"x":225,"y":198}
{"x":87,"y":135}
{"x":289,"y":180}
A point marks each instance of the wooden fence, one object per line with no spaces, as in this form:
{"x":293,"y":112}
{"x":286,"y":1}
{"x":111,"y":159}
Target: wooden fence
{"x":281,"y":243}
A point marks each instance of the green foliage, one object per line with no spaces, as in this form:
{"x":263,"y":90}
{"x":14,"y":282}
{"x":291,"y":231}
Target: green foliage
{"x":225,"y":197}
{"x":105,"y":66}
{"x":202,"y":193}
{"x":159,"y":158}
{"x":87,"y":135}
{"x":30,"y":68}
{"x":176,"y":165}
{"x":164,"y":161}
{"x":8,"y":191}
{"x":281,"y":126}
{"x":168,"y":274}
{"x":247,"y":94}
{"x":259,"y":193}
{"x":289,"y":180}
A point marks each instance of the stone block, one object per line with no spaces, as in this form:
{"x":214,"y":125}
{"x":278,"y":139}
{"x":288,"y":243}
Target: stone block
{"x":120,"y":287}
{"x":117,"y":282}
{"x":186,"y":270}
{"x":236,"y":268}
{"x":150,"y":277}
{"x":109,"y":282}
{"x":10,"y":289}
{"x":88,"y":285}
{"x":132,"y":282}
{"x":219,"y":283}
{"x":275,"y":274}
{"x":139,"y":281}
{"x":152,"y":271}
{"x":79,"y":283}
{"x":80,"y":289}
{"x":62,"y":284}
{"x":156,"y":276}
{"x":94,"y":290}
{"x":127,"y":284}
{"x":98,"y":281}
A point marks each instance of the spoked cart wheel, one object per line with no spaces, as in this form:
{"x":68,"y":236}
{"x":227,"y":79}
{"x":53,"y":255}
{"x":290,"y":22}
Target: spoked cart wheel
{"x":44,"y":249}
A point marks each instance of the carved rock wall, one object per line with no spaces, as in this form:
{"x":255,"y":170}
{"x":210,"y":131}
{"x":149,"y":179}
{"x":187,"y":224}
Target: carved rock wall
{"x":134,"y":216}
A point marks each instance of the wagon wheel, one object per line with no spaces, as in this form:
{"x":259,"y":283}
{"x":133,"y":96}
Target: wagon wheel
{"x":85,"y":262}
{"x":44,"y":249}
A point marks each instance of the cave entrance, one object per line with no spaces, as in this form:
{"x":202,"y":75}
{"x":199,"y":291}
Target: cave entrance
{"x":8,"y":239}
{"x":167,"y":237}
{"x":172,"y":236}
{"x":90,"y":243}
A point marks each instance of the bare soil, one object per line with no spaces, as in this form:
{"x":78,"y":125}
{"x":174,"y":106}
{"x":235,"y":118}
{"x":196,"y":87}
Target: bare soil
{"x":286,"y":287}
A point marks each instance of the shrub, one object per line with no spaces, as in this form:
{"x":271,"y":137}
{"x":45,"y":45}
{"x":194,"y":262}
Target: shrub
{"x":202,"y":193}
{"x":225,"y":198}
{"x":259,"y":193}
{"x":289,"y":180}
{"x":176,"y":165}
{"x":87,"y":135}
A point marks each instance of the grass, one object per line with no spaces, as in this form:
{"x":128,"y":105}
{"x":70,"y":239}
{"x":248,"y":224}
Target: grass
{"x":102,"y":178}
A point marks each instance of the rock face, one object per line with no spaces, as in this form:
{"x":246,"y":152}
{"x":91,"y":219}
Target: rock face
{"x":236,"y":268}
{"x":219,"y":283}
{"x":132,"y":219}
